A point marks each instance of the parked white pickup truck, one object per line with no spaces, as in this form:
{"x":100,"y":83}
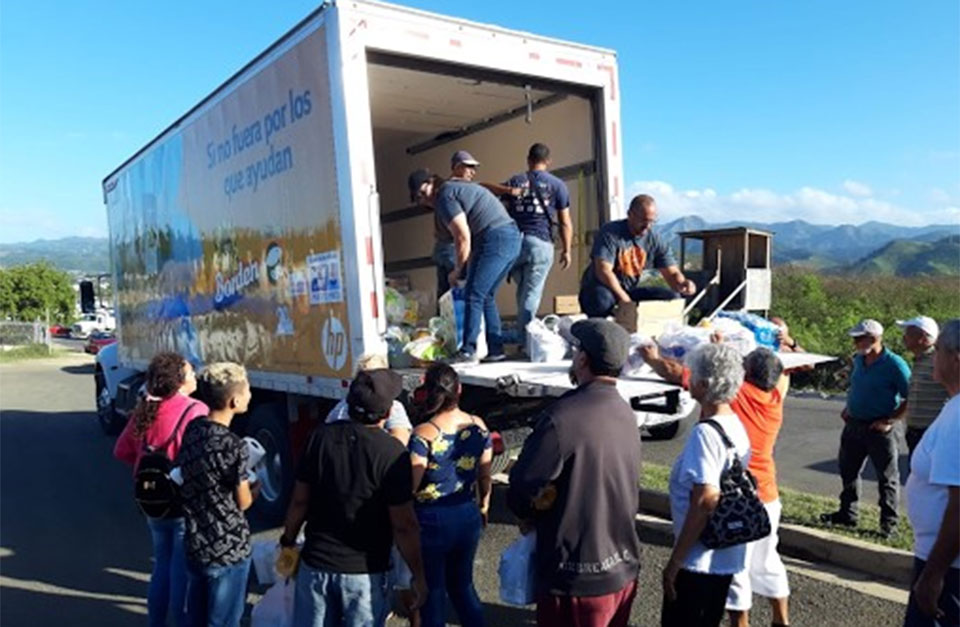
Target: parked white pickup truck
{"x":89,"y":322}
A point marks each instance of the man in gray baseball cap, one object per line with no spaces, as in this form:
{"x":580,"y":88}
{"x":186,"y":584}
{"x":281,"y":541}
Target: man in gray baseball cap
{"x":486,"y":242}
{"x":876,"y":399}
{"x":575,"y":482}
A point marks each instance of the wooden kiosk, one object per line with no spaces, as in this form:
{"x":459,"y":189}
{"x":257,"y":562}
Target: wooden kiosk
{"x":735,"y":269}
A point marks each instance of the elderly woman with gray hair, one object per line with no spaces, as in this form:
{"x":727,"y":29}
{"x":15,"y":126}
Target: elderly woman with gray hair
{"x":933,"y":499}
{"x":696,"y":579}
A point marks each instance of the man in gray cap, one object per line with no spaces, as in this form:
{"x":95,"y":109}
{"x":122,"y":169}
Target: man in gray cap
{"x":927,"y":397}
{"x":484,"y":235}
{"x":876,"y":398}
{"x":576,"y":484}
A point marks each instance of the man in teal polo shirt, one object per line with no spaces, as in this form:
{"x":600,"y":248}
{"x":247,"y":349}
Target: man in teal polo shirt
{"x":877,"y":397}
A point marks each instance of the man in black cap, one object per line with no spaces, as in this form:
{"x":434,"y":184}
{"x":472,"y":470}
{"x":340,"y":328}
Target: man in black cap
{"x":423,"y":185}
{"x":354,"y":489}
{"x":576,"y":482}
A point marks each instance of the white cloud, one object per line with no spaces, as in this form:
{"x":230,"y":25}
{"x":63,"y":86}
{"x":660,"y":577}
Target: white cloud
{"x":807,"y":203}
{"x":856,"y":188}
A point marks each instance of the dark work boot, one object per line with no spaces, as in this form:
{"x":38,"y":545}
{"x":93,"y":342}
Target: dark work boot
{"x":841,"y":519}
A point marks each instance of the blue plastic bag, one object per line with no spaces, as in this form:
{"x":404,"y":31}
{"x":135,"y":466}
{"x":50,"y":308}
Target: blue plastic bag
{"x":766,"y":333}
{"x":518,"y":571}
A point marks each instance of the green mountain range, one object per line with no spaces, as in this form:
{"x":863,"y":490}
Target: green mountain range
{"x":912,"y":258}
{"x":869,"y":248}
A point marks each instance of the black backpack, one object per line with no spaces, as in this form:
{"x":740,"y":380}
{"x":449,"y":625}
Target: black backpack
{"x":740,"y":517}
{"x":154,"y":490}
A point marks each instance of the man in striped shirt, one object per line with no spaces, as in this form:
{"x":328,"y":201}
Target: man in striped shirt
{"x":927,"y":397}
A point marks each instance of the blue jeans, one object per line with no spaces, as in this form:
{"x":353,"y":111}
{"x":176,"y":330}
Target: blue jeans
{"x":445,"y":258}
{"x":530,"y":274}
{"x":494,"y":252}
{"x":449,"y":535}
{"x":949,"y":601}
{"x":216,"y":594}
{"x":168,"y":581}
{"x":325,"y":599}
{"x":598,"y":301}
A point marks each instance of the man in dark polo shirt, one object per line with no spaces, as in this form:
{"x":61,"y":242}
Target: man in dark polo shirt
{"x":543,"y":200}
{"x":355,"y":490}
{"x":621,"y":251}
{"x":876,"y":399}
{"x":577,"y":482}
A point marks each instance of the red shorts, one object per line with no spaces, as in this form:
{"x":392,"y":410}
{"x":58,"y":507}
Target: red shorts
{"x":609,"y":610}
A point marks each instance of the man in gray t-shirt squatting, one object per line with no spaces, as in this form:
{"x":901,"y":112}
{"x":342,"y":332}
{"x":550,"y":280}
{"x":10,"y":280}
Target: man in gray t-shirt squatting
{"x":621,"y":251}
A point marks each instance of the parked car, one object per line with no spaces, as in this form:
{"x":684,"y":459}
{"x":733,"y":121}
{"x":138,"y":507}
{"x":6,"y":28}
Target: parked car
{"x":59,"y":330}
{"x":98,"y":340}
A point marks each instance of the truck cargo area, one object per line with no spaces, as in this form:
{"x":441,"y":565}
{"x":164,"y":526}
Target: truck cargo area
{"x":423,"y":111}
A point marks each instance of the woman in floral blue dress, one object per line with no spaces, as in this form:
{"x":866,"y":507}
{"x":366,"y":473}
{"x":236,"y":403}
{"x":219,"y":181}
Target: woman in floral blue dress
{"x":451,"y":454}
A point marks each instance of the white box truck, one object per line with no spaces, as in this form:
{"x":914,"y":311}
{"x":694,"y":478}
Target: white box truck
{"x":260,"y":226}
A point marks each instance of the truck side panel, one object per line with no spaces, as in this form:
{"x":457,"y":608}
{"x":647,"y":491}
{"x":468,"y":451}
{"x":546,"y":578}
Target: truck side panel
{"x":226,"y":234}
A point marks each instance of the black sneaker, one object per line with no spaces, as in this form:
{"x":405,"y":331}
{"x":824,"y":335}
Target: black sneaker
{"x":492,"y":359}
{"x":888,"y":529}
{"x":838,"y":518}
{"x":462,"y":358}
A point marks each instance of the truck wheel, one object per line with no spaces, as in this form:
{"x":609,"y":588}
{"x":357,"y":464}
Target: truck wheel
{"x":665,"y":431}
{"x":268,"y":425}
{"x":110,"y":421}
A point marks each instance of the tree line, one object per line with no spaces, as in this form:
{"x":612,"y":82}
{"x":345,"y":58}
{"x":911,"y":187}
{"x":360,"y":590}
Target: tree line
{"x":33,"y":291}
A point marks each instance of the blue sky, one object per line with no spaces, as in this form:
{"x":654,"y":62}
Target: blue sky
{"x":833,"y":112}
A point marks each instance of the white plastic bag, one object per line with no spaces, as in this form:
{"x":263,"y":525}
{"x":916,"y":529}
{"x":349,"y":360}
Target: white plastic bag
{"x":275,"y":609}
{"x":635,"y":362}
{"x":736,"y":335}
{"x":518,"y":572}
{"x":678,"y":340}
{"x":264,"y":557}
{"x":545,"y":343}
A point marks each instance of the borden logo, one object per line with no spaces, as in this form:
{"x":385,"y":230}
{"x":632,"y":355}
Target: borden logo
{"x":334,"y":341}
{"x":233,"y":286}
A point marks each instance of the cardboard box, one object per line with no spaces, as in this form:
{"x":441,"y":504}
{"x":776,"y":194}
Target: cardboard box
{"x":566,"y":305}
{"x":650,"y":317}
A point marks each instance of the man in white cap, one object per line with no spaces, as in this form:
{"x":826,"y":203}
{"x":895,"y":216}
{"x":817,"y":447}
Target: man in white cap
{"x":879,"y":386}
{"x":927,"y":397}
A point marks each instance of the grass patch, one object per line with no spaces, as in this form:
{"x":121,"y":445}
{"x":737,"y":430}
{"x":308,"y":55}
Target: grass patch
{"x":802,"y":508}
{"x":30,"y":351}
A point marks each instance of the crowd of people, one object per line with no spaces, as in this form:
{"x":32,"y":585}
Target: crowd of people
{"x":389,"y":500}
{"x":376,"y":515}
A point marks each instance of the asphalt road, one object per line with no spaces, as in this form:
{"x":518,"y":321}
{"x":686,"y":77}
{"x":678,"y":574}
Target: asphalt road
{"x":806,"y":451}
{"x":75,"y":551}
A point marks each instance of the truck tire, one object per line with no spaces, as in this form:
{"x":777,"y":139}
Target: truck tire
{"x":268,"y":425}
{"x":666,"y":431}
{"x":110,"y":421}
